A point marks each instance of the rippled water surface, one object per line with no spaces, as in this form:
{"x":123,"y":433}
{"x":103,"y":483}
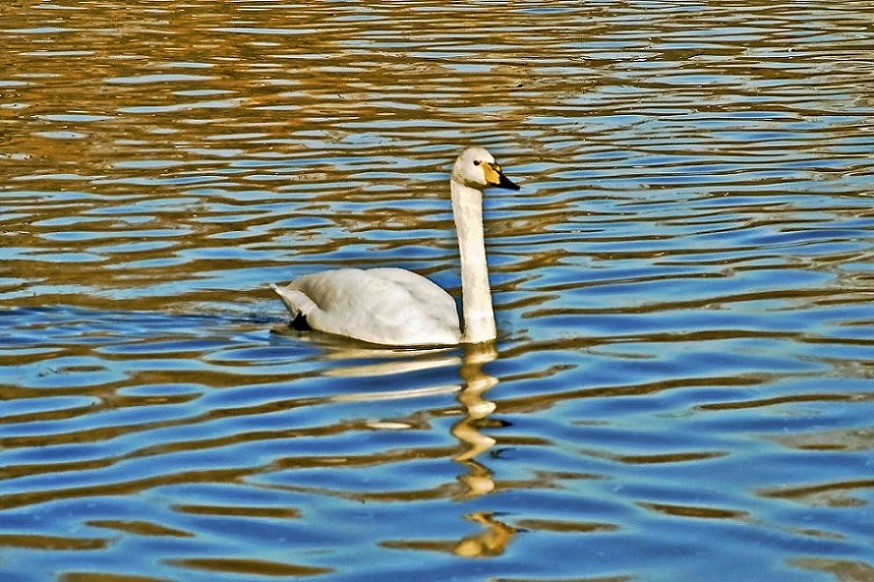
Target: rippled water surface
{"x":682,"y":384}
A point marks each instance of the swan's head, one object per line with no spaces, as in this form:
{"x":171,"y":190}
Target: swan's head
{"x":477,"y":168}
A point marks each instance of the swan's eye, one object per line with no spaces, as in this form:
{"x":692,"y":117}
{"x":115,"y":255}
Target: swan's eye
{"x":476,"y":162}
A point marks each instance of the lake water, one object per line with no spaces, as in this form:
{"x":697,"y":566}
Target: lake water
{"x":682,"y":385}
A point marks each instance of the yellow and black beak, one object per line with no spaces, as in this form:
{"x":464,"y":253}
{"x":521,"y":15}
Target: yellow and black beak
{"x":495,"y":177}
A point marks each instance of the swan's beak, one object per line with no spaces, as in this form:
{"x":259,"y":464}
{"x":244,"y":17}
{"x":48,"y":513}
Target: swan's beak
{"x":495,"y":177}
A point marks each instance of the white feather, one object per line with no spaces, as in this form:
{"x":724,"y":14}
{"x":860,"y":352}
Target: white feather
{"x":382,"y":306}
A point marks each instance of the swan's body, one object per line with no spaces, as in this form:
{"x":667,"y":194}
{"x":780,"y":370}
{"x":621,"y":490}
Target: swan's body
{"x":384,"y":306}
{"x":399,"y":307}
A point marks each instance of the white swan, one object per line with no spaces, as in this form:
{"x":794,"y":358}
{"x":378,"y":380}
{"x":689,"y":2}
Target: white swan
{"x":398,"y":307}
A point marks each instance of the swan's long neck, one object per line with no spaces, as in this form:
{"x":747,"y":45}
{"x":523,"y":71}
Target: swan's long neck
{"x":476,"y":295}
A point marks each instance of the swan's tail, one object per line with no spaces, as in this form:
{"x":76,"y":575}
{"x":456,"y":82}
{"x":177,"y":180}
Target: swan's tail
{"x":297,"y":303}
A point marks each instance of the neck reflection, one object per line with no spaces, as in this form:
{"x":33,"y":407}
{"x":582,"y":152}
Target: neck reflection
{"x":476,"y":409}
{"x":495,"y":535}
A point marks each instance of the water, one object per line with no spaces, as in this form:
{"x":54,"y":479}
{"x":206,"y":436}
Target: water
{"x":681,"y":389}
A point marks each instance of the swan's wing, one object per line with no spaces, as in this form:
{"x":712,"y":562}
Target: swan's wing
{"x":424,"y":290}
{"x":384,"y":306}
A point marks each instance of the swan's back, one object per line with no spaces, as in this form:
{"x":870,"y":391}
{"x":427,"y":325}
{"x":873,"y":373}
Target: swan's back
{"x":382,"y":306}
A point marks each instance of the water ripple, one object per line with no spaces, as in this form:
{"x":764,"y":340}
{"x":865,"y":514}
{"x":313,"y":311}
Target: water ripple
{"x":682,"y":379}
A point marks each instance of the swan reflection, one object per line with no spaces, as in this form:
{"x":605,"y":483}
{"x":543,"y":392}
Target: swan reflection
{"x":495,"y":535}
{"x":472,"y":414}
{"x":475,"y":410}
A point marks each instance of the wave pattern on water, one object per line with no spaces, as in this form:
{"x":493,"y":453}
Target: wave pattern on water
{"x":682,"y":383}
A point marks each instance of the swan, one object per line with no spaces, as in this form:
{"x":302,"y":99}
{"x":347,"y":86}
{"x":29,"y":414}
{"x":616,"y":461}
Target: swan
{"x":396,"y":307}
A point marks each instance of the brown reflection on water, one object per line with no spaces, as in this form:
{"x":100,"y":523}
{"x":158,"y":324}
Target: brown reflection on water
{"x":103,"y":577}
{"x":248,"y":567}
{"x":546,"y":401}
{"x":243,"y":511}
{"x":111,"y":125}
{"x":657,"y":459}
{"x":174,"y":76}
{"x":133,"y":486}
{"x":836,"y":494}
{"x":566,"y":526}
{"x":830,"y":440}
{"x":52,"y":542}
{"x":140,"y":528}
{"x":842,"y":570}
{"x":695,"y":511}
